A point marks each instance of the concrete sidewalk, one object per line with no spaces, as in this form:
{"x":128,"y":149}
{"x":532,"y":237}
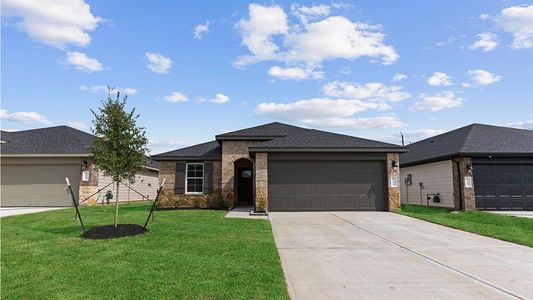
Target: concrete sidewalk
{"x":380,"y":255}
{"x":13,"y":211}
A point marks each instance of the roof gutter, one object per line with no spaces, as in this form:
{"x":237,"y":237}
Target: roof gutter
{"x":309,"y":149}
{"x":45,"y":155}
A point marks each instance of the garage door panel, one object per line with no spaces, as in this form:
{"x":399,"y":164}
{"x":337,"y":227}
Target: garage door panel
{"x":326,"y":185}
{"x":503,"y":186}
{"x":38,"y":185}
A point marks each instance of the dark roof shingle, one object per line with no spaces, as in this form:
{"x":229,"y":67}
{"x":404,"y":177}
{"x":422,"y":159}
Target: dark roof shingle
{"x":278,"y":135}
{"x":50,"y":140}
{"x":475,"y":139}
{"x":209,"y":150}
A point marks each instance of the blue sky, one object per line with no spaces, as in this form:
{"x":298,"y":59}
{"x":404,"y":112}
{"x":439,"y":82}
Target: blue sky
{"x":194,"y":69}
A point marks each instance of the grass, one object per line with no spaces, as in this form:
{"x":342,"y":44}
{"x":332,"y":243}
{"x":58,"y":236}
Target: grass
{"x":512,"y":229}
{"x":187,"y":254}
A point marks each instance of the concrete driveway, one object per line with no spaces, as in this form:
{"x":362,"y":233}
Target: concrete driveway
{"x":380,"y":255}
{"x":13,"y":211}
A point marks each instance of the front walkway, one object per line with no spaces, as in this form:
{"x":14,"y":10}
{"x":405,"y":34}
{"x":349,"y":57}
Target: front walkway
{"x":13,"y":211}
{"x":244,"y":212}
{"x":380,"y":255}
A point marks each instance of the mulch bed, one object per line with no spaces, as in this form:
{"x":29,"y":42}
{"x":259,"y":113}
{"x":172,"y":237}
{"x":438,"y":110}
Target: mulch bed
{"x":111,"y":232}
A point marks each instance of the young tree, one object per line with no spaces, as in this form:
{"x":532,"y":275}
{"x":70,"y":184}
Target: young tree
{"x":120,"y":146}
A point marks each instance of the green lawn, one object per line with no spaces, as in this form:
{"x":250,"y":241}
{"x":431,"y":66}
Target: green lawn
{"x":507,"y":228}
{"x":191,"y":254}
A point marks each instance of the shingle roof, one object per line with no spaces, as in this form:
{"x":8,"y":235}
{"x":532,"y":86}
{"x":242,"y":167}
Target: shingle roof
{"x":270,"y":130}
{"x":311,"y":138}
{"x":50,"y":140}
{"x":475,"y":139}
{"x":278,"y":136}
{"x":209,"y":150}
{"x":55,"y":140}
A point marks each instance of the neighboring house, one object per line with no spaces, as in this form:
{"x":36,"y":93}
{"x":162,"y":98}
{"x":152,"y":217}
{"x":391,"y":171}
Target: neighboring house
{"x":279,"y":167}
{"x":34,"y":164}
{"x":473,"y":167}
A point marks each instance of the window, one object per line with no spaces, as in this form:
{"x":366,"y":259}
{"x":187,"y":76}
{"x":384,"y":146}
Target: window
{"x":194,"y":183}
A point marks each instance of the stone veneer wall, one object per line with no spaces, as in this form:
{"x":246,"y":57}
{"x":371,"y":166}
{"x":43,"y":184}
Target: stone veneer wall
{"x":261,"y":182}
{"x":168,"y":197}
{"x":87,"y":188}
{"x":394,"y":192}
{"x":232,"y":151}
{"x":468,"y":201}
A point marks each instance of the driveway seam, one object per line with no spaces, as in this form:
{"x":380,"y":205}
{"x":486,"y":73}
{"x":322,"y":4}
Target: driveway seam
{"x":501,"y":289}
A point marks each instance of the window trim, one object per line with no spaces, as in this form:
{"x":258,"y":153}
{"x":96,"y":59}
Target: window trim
{"x":187,"y":177}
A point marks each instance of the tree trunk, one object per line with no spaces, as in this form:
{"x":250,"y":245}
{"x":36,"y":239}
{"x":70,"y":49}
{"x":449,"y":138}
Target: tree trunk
{"x":116,"y":206}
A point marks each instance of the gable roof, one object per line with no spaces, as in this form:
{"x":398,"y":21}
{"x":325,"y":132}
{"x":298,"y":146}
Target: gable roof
{"x":262,"y":132}
{"x":281,"y":137}
{"x":205,"y":151}
{"x":51,"y":140}
{"x":473,"y":140}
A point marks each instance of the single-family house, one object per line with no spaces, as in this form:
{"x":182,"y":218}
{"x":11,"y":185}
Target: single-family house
{"x":280,"y":167}
{"x":34,"y":164}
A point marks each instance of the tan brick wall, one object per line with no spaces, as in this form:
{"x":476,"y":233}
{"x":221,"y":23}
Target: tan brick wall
{"x":88,"y":188}
{"x":261,"y":182}
{"x":232,"y":151}
{"x":168,"y":198}
{"x":394,"y":192}
{"x":468,"y":200}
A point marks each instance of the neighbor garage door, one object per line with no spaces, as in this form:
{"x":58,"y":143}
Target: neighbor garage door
{"x":503,"y":186}
{"x":326,"y":185}
{"x":38,"y":185}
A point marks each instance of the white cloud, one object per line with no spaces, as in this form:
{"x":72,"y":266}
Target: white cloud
{"x":78,"y":125}
{"x":200,"y":29}
{"x":417,"y":135}
{"x":264,"y":22}
{"x":399,"y":77}
{"x":80,"y":61}
{"x":373,"y":91}
{"x":522,"y":125}
{"x":158,"y":63}
{"x":518,"y":20}
{"x":465,"y":84}
{"x":52,"y":22}
{"x":104,"y":89}
{"x":341,"y":5}
{"x":295,"y":73}
{"x":219,"y":99}
{"x":337,"y":36}
{"x":24,"y":117}
{"x":357,"y":123}
{"x":345,"y":70}
{"x":310,"y":13}
{"x":436,"y":102}
{"x":483,"y":77}
{"x":484,"y":17}
{"x":175,"y":97}
{"x":486,"y":42}
{"x":315,"y":108}
{"x":439,"y":78}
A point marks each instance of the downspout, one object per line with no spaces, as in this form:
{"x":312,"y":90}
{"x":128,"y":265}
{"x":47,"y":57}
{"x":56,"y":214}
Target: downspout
{"x":458,"y":165}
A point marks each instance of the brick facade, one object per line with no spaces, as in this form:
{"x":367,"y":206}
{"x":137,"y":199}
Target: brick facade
{"x":88,"y":188}
{"x":465,"y":198}
{"x":261,"y":182}
{"x":393,"y":175}
{"x":168,"y":197}
{"x":232,"y":151}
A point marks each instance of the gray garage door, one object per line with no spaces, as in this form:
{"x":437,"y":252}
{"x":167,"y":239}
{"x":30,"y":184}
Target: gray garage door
{"x":38,"y":185}
{"x":503,"y":186}
{"x":326,"y":185}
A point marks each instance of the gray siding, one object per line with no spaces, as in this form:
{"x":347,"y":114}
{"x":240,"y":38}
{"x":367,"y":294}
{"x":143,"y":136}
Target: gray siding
{"x":39,"y":181}
{"x":146,"y":183}
{"x":437,"y":178}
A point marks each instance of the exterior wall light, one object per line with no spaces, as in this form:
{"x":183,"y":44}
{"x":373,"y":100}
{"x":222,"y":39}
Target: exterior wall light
{"x":469,"y":168}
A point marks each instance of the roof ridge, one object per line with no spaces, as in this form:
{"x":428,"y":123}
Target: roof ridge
{"x":467,"y":136}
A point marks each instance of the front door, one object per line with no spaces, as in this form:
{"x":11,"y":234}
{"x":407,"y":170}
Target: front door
{"x":244,"y":185}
